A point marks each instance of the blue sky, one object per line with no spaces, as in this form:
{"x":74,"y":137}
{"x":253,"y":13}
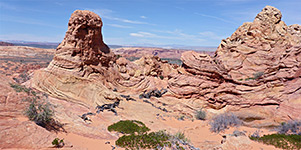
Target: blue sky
{"x":139,"y":22}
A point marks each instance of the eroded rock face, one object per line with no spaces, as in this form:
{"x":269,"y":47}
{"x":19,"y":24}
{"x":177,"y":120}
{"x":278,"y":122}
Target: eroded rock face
{"x":85,"y":71}
{"x":257,"y":67}
{"x":81,"y":65}
{"x":82,"y":49}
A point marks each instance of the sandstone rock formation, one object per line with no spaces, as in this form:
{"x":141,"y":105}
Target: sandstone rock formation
{"x":84,"y":70}
{"x":139,"y":52}
{"x":81,"y":64}
{"x":255,"y":72}
{"x":82,"y":49}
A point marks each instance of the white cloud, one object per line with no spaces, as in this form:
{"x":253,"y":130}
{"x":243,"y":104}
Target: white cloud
{"x":169,"y":35}
{"x":143,"y":34}
{"x":143,"y":17}
{"x":214,"y":17}
{"x":118,"y":26}
{"x":107,"y":14}
{"x":124,"y":20}
{"x":211,"y":35}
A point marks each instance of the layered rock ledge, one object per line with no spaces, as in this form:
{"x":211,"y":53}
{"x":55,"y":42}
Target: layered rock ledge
{"x":255,"y":71}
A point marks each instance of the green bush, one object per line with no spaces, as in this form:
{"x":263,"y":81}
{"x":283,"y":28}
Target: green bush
{"x":200,"y":115}
{"x":58,"y":143}
{"x":118,"y":56}
{"x":19,"y":88}
{"x":129,"y":127}
{"x":144,"y":140}
{"x":283,"y":141}
{"x":152,"y":140}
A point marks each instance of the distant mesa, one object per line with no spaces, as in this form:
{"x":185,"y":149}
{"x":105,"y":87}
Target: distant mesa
{"x":6,"y":44}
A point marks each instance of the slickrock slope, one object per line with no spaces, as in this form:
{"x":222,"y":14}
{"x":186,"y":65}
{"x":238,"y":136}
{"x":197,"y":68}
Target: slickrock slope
{"x":16,"y":131}
{"x":255,"y":72}
{"x":19,"y":61}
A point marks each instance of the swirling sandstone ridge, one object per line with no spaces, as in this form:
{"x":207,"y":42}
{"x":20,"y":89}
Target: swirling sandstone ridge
{"x":256,"y":71}
{"x":84,"y":70}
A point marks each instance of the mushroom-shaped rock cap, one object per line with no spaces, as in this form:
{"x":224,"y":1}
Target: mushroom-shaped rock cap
{"x":269,"y":14}
{"x":84,"y":35}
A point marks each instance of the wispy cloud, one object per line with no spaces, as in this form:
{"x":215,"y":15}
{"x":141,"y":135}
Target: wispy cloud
{"x":177,"y":34}
{"x":214,"y":17}
{"x":171,"y":35}
{"x":143,"y":17}
{"x":30,"y":37}
{"x":108,"y":14}
{"x":119,"y":26}
{"x":124,"y":20}
{"x":144,"y":34}
{"x":27,"y":21}
{"x":211,"y":35}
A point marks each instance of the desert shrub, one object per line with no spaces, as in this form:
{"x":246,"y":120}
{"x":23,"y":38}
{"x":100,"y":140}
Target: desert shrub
{"x":129,"y":127}
{"x":255,"y":134}
{"x":144,"y":140}
{"x":20,"y":88}
{"x":181,"y":117}
{"x":181,"y":136}
{"x":40,"y":113}
{"x":280,"y":140}
{"x":58,"y":143}
{"x":292,"y":127}
{"x":173,"y":61}
{"x":224,"y":121}
{"x":153,"y":140}
{"x":257,"y":75}
{"x":200,"y":115}
{"x":118,"y":56}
